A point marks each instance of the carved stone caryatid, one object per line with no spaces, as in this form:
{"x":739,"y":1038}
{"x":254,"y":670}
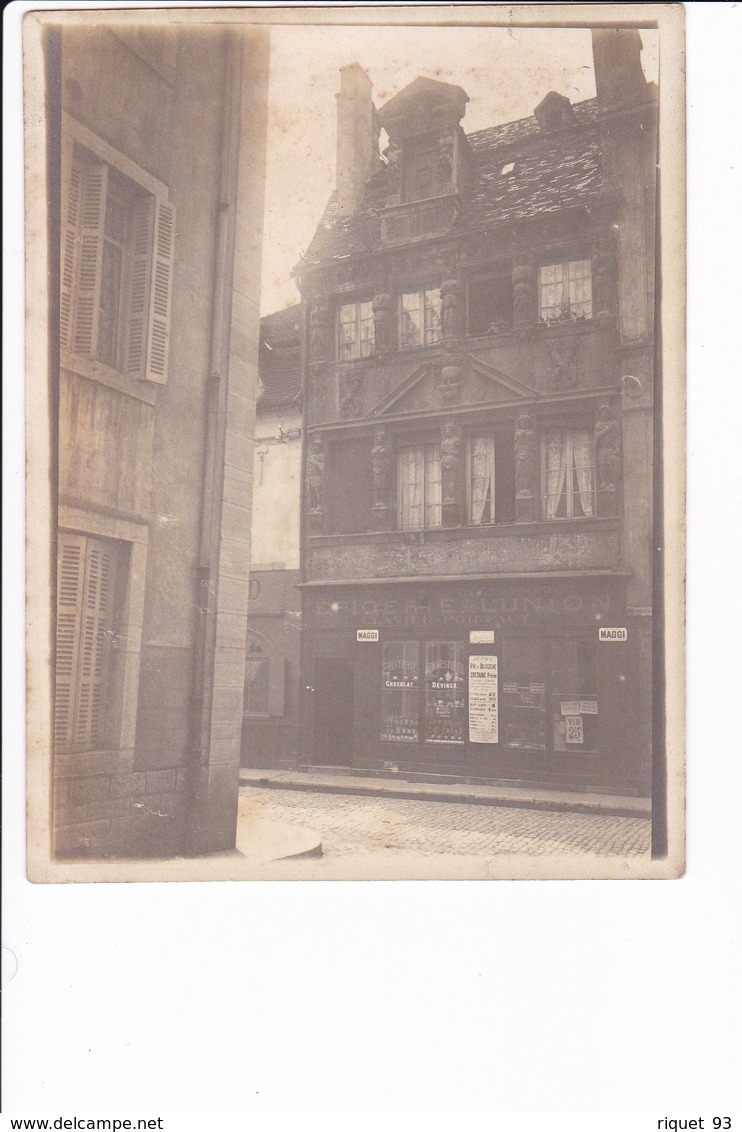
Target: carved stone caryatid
{"x":381,"y":471}
{"x":603,"y":266}
{"x":608,"y":459}
{"x":524,"y":293}
{"x":526,"y":471}
{"x":452,"y":309}
{"x":451,"y":473}
{"x":319,"y":333}
{"x":383,"y":321}
{"x":315,"y":480}
{"x":446,"y":149}
{"x":350,"y":392}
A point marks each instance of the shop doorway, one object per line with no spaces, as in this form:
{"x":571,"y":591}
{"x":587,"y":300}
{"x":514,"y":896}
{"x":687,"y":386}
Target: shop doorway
{"x":333,"y":711}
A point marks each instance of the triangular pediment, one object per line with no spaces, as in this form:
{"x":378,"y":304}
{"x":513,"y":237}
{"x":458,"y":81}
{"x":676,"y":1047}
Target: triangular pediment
{"x":449,"y":383}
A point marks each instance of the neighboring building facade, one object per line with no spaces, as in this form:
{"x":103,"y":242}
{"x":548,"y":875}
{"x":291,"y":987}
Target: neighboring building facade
{"x":271,"y":703}
{"x":477,"y":519}
{"x":162,"y":156}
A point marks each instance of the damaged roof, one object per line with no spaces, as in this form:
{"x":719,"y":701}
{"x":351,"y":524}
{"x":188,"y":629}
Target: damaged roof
{"x":552,"y":171}
{"x":280,"y":358}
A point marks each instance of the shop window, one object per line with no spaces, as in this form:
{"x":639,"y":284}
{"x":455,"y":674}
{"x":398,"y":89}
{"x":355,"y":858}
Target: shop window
{"x":86,"y":583}
{"x":420,"y":318}
{"x":490,"y":304}
{"x":355,"y":331}
{"x":444,"y":692}
{"x":399,"y":692}
{"x":490,"y":479}
{"x":264,"y":681}
{"x":419,"y":487}
{"x":569,"y":476}
{"x":523,"y":695}
{"x":116,"y":268}
{"x":565,"y":291}
{"x":574,"y":699}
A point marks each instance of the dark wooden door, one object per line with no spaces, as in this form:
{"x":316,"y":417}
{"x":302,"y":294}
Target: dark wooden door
{"x":333,"y":711}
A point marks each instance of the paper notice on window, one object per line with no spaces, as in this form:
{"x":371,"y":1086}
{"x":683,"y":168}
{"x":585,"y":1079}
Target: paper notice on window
{"x":588,"y":707}
{"x":573,"y":724}
{"x":483,"y":699}
{"x":570,"y":707}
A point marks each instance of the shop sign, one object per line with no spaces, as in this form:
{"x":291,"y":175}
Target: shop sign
{"x":482,"y":637}
{"x":367,"y":634}
{"x":483,"y":699}
{"x":588,"y":707}
{"x":573,"y":724}
{"x":612,"y":635}
{"x":570,"y":707}
{"x":510,"y":689}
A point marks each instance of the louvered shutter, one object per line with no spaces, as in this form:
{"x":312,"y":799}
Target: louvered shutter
{"x":161,"y":286}
{"x":72,"y":177}
{"x":139,"y":287}
{"x":70,"y":578}
{"x":90,"y":259}
{"x":95,"y":642}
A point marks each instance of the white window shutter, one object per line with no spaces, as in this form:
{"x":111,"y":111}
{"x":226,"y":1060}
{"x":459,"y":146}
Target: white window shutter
{"x":70,"y":578}
{"x":71,"y":184}
{"x":139,"y":286}
{"x":90,"y":259}
{"x":160,"y":292}
{"x":95,"y":645}
{"x":276,"y":683}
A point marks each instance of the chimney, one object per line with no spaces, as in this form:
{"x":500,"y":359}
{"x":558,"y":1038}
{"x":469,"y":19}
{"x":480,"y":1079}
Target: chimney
{"x":619,"y":78}
{"x":356,"y":128}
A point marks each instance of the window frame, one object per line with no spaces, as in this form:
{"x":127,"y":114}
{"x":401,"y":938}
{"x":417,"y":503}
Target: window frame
{"x":421,"y":294}
{"x":570,"y":473}
{"x":500,"y":274}
{"x":431,"y":453}
{"x":358,"y":322}
{"x":566,"y":304}
{"x":92,"y":171}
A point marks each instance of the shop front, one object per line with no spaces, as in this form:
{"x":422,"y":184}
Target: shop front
{"x":514,"y":681}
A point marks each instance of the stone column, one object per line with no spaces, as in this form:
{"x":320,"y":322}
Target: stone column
{"x":603,"y":265}
{"x":320,"y":325}
{"x":383,"y":322}
{"x":452,"y":310}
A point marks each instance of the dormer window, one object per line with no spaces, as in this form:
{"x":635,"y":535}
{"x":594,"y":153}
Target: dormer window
{"x":507,"y":169}
{"x":554,"y":113}
{"x":420,"y":168}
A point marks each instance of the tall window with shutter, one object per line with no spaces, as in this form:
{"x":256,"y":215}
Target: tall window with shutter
{"x":116,"y":270}
{"x":87,"y":575}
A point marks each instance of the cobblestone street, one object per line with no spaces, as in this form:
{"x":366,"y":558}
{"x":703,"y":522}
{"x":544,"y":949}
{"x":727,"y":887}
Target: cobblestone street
{"x":353,"y":825}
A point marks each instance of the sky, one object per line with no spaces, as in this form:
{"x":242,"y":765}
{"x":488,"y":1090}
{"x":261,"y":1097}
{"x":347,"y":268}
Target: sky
{"x":505,"y":71}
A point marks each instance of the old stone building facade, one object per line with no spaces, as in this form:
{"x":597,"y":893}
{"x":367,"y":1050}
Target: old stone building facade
{"x":271,"y":702}
{"x":159,"y":131}
{"x":479,"y":375}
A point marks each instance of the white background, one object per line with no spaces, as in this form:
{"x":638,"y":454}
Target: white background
{"x":540,"y":997}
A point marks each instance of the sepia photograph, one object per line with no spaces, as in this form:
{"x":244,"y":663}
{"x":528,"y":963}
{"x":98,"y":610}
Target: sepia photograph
{"x":355,"y":417}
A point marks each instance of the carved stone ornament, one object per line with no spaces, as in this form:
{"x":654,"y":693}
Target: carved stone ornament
{"x":563,"y":362}
{"x":608,"y":459}
{"x":524,"y":294}
{"x":451,"y":472}
{"x":446,"y":149}
{"x":350,"y":392}
{"x":315,"y":483}
{"x":383,"y":321}
{"x":381,"y":471}
{"x":526,"y":471}
{"x":319,"y":332}
{"x":452,"y":309}
{"x":449,"y":384}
